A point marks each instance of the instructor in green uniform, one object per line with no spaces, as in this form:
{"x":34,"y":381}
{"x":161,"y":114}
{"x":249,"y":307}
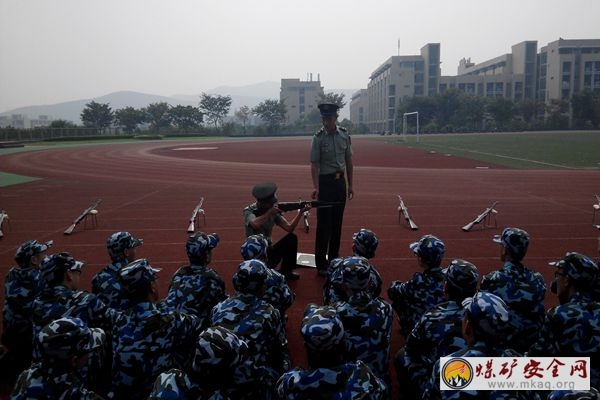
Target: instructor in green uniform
{"x":331,"y":170}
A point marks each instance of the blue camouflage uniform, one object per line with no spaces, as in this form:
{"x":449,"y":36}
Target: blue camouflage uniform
{"x":259,"y":324}
{"x":211,"y":376}
{"x":55,"y":377}
{"x":332,"y":290}
{"x":147,"y":340}
{"x":439,"y":332}
{"x":490,"y":319}
{"x":521,"y":289}
{"x":573,"y":327}
{"x":334,"y":377}
{"x":367,"y":320}
{"x":424,"y":290}
{"x":105,"y":283}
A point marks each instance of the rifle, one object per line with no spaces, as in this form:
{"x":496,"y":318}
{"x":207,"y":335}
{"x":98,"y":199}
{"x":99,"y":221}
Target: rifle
{"x":596,"y":208}
{"x":198,"y":210}
{"x":484,"y":215}
{"x":3,"y":216}
{"x":402,"y":209}
{"x":88,"y":211}
{"x":289,"y":206}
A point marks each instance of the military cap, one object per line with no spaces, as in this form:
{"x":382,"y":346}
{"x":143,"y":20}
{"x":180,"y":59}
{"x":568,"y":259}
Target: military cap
{"x":265,"y":192}
{"x":515,"y":240}
{"x":118,"y":242}
{"x":255,"y":247}
{"x":489,"y":315}
{"x":321,"y":328}
{"x":218,"y":347}
{"x":250,"y":276}
{"x":137,"y":275}
{"x":65,"y":337}
{"x":430,"y":249}
{"x":53,"y":268}
{"x":356,"y":272}
{"x":365,"y":243}
{"x":200,"y":243}
{"x":582,"y":269}
{"x":29,"y":249}
{"x":462,"y":274}
{"x":328,"y":109}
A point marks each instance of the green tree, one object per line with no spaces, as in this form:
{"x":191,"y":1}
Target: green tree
{"x":331,"y":97}
{"x":502,"y":110}
{"x":129,"y":118}
{"x":271,"y":111}
{"x":586,"y":109}
{"x":61,"y":124}
{"x":215,"y":107}
{"x":97,"y":115}
{"x":158,"y":115}
{"x":243,"y":114}
{"x":186,"y":117}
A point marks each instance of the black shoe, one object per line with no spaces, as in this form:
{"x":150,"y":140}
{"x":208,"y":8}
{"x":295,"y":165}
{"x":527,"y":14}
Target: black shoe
{"x":322,"y":272}
{"x":290,"y":275}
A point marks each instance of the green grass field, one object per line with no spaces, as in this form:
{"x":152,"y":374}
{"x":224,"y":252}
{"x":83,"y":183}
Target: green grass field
{"x":527,"y":150}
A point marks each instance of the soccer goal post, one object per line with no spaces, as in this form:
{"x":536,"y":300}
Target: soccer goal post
{"x":405,"y":124}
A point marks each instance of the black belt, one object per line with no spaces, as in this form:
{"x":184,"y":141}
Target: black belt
{"x":335,"y":175}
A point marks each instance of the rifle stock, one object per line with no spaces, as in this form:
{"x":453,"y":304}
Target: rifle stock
{"x":407,"y":217}
{"x":297,"y":205}
{"x":191,"y":227}
{"x":3,"y":216}
{"x":80,"y":218}
{"x":480,"y":217}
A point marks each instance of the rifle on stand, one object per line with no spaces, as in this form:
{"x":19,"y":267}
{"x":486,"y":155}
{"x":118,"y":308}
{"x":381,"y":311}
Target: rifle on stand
{"x":402,"y":210}
{"x":194,"y":218}
{"x":485,"y":215}
{"x":91,"y":210}
{"x":3,"y":217}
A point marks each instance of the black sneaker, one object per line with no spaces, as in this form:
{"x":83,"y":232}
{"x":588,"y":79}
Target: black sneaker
{"x":290,"y":275}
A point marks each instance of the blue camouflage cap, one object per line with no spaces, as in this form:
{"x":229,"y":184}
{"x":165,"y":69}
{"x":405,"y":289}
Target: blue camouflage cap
{"x":218,"y":346}
{"x":356,"y":272}
{"x":65,"y":337}
{"x":250,"y":276}
{"x":580,"y":268}
{"x":515,"y":240}
{"x":489,"y":315}
{"x":430,"y":249}
{"x":118,"y":242}
{"x":53,"y":267}
{"x":200,"y":243}
{"x":463,"y":275}
{"x":137,"y":275}
{"x":365,"y":243}
{"x":321,"y":328}
{"x":255,"y":247}
{"x":29,"y":249}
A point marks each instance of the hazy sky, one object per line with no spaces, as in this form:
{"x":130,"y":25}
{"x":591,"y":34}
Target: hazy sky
{"x":59,"y":50}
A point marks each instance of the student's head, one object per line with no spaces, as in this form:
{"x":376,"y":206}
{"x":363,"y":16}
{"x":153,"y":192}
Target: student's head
{"x":514,"y":243}
{"x":461,"y":279}
{"x":121,"y":246}
{"x":61,"y":268}
{"x":486,"y":319}
{"x":199,"y":247}
{"x":31,"y":253}
{"x":364,"y":243}
{"x":255,"y":248}
{"x":574,"y":273}
{"x":430,"y":251}
{"x":324,"y":336}
{"x":138,"y":279}
{"x":356,"y":273}
{"x":218,"y":349}
{"x":250,"y":277}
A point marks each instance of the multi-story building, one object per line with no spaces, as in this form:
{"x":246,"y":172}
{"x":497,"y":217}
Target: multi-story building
{"x":300,"y":97}
{"x":399,"y":77}
{"x":559,"y":70}
{"x":358,"y":107}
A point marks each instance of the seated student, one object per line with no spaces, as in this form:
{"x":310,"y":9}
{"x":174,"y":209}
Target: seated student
{"x":65,"y":345}
{"x":364,"y":244}
{"x":219,"y":352}
{"x":573,"y":327}
{"x":196,"y":288}
{"x":438,"y":333}
{"x":333,"y":372}
{"x":425,"y":289}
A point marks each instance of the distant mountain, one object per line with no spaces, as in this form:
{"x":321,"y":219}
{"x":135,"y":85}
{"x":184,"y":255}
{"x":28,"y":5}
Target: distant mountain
{"x":250,"y":95}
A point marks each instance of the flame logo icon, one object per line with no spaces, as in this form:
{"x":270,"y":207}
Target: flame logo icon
{"x":457,"y":373}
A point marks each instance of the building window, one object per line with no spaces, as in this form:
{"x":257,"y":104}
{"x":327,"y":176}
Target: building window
{"x":392,"y":90}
